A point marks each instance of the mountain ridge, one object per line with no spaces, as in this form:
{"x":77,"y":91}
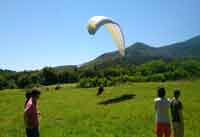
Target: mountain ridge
{"x":139,"y":53}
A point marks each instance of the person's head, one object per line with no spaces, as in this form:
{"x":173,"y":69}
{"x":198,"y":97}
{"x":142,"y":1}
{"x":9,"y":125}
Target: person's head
{"x":161,"y":92}
{"x":35,"y":93}
{"x":177,"y":93}
{"x":28,"y":95}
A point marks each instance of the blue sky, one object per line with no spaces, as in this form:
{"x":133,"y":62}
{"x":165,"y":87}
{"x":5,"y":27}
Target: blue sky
{"x":38,"y":33}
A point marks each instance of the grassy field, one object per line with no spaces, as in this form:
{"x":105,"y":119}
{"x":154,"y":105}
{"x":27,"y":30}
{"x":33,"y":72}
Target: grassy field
{"x":75,"y":112}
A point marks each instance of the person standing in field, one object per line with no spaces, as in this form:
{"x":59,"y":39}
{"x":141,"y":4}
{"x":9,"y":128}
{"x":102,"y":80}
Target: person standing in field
{"x":162,"y":106}
{"x":100,"y":90}
{"x":31,"y":113}
{"x":177,"y":115}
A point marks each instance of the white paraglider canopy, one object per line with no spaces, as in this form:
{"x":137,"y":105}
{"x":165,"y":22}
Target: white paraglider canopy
{"x":113,"y":27}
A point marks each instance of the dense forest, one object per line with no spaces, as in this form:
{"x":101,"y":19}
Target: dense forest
{"x":157,"y":70}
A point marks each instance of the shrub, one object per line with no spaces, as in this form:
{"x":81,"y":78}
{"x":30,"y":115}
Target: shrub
{"x":58,"y":87}
{"x":157,"y":77}
{"x":3,"y":83}
{"x":94,"y":82}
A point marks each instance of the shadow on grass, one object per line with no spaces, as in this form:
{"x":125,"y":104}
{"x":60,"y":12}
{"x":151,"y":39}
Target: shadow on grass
{"x":117,"y":99}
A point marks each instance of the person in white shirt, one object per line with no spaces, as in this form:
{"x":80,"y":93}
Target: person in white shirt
{"x":162,"y":106}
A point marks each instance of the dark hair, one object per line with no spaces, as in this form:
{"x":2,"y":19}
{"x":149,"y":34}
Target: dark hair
{"x":35,"y":92}
{"x":161,"y":92}
{"x":28,"y":96}
{"x":176,"y":93}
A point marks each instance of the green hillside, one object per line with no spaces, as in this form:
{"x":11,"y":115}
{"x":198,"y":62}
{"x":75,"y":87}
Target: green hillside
{"x":140,"y":53}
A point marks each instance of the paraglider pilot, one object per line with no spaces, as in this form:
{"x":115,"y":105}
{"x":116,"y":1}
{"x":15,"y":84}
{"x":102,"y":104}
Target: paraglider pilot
{"x":100,"y":90}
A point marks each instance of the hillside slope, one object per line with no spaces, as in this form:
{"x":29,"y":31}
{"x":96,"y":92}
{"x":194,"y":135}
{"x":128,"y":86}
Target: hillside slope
{"x":140,"y":53}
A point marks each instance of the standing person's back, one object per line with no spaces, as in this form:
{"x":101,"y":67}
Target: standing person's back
{"x":31,"y":114}
{"x":162,"y":114}
{"x":100,"y":90}
{"x":177,"y":116}
{"x":162,"y":110}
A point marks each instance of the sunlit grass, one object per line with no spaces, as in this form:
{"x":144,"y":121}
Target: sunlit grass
{"x":75,"y":112}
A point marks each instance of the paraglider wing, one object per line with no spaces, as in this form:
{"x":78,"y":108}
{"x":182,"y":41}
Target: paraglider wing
{"x":114,"y":28}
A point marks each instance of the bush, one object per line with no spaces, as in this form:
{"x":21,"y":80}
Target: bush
{"x":138,"y":79}
{"x":58,"y":87}
{"x":23,"y":81}
{"x":3,"y":83}
{"x":11,"y":84}
{"x":84,"y":83}
{"x":157,"y":78}
{"x":94,"y":82}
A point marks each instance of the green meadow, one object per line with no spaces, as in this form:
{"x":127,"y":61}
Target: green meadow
{"x":77,"y":112}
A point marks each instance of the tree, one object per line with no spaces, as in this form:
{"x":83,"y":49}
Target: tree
{"x":49,"y":76}
{"x":67,"y":77}
{"x":23,"y":80}
{"x":3,"y":83}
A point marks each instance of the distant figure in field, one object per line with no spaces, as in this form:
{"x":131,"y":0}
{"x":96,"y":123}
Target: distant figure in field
{"x":177,"y":115}
{"x":31,"y":113}
{"x":162,"y":106}
{"x":100,"y":90}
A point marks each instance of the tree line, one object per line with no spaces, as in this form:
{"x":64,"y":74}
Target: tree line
{"x":157,"y":70}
